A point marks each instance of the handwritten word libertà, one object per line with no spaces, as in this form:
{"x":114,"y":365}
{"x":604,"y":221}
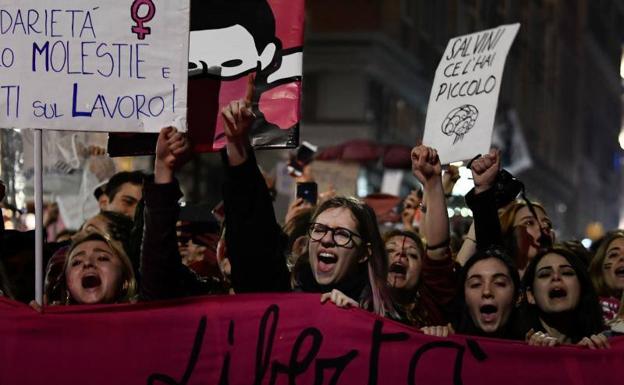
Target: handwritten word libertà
{"x":77,"y":50}
{"x":467,"y":65}
{"x":305,"y":351}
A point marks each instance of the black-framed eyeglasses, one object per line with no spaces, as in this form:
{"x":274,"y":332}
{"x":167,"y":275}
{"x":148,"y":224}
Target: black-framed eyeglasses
{"x":340,"y":235}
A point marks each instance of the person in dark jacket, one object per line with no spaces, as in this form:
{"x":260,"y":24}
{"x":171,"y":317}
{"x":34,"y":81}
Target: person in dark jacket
{"x":163,"y":275}
{"x":345,"y":257}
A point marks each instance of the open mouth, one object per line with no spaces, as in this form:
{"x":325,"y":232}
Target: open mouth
{"x":619,"y":272}
{"x":397,"y":268}
{"x":326,"y":261}
{"x":557,"y":293}
{"x":488,"y":309}
{"x":91,"y":281}
{"x":488,"y":313}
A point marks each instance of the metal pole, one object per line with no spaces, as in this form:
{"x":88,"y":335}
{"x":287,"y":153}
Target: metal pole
{"x":38,"y":217}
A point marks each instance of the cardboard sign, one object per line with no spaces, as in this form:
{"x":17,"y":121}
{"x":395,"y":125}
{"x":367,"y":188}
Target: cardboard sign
{"x":93,"y":65}
{"x":269,"y":339}
{"x":462,"y":104}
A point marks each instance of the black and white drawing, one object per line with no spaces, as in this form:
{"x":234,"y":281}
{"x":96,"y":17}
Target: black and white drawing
{"x":459,"y":121}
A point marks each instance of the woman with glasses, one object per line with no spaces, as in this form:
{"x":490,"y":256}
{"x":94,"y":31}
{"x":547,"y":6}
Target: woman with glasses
{"x":345,"y":252}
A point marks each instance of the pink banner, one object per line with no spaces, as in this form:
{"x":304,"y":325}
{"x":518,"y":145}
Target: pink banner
{"x":268,"y":339}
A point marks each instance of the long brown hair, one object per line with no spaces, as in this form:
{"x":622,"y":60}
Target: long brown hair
{"x":377,"y":264}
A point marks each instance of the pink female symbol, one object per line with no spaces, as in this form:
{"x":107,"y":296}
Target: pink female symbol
{"x":139,"y":29}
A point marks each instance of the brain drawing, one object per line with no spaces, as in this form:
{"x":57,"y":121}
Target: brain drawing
{"x":459,"y":121}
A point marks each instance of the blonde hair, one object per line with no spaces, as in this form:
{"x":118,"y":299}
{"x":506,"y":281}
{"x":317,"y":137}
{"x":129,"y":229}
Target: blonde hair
{"x":508,"y":216}
{"x":130,"y":291}
{"x":595,"y":266}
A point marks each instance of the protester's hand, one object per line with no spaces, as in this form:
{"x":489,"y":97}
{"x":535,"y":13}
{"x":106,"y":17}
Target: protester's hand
{"x":595,"y":341}
{"x":172,"y":151}
{"x":237,"y":119}
{"x":449,"y":178}
{"x":425,"y":163}
{"x":192,"y":252}
{"x":438,"y":331}
{"x":410,"y":205}
{"x":484,"y":170}
{"x":33,"y":304}
{"x":101,"y":166}
{"x":534,"y":338}
{"x":339,"y":299}
{"x":238,"y":116}
{"x":295,"y":208}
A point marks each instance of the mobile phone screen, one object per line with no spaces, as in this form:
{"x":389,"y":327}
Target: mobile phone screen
{"x":308,"y":191}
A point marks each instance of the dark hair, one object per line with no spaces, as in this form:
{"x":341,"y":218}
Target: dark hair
{"x":463,"y":322}
{"x":586,"y":317}
{"x":119,"y":227}
{"x":116,"y":181}
{"x":409,"y":234}
{"x":596,"y":272}
{"x":295,"y":228}
{"x":256,"y":16}
{"x":378,"y":299}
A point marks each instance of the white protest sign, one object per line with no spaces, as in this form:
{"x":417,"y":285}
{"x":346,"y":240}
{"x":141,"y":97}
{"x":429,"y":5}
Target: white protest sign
{"x":93,"y":65}
{"x":462,"y":104}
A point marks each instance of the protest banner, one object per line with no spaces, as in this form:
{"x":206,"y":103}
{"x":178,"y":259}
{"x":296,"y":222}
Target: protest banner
{"x":268,"y":339}
{"x":464,"y":95}
{"x":93,"y":65}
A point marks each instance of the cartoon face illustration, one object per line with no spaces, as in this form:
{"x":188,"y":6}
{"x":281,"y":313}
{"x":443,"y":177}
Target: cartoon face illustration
{"x":229,"y":52}
{"x":231,"y":38}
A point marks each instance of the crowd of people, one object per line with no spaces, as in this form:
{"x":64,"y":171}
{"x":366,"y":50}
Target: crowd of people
{"x":510,"y":278}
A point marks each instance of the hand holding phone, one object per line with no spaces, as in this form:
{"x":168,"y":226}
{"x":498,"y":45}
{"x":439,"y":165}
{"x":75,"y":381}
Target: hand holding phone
{"x":308,"y":191}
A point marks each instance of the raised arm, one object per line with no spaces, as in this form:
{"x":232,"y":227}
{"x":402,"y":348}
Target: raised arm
{"x":255,"y":241}
{"x":437,"y":275}
{"x":482,"y":202}
{"x":427,"y":168}
{"x":162,"y":273}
